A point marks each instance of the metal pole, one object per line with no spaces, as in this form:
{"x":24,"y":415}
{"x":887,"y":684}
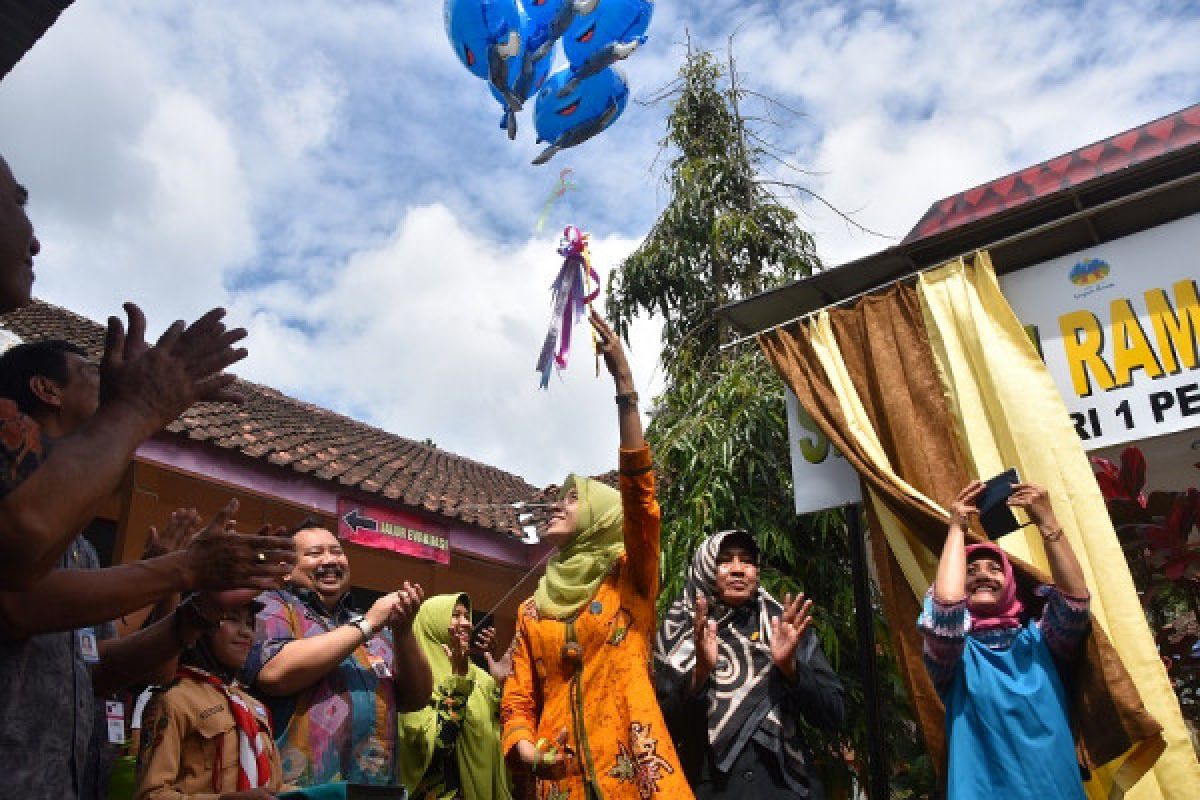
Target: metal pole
{"x":877,"y":767}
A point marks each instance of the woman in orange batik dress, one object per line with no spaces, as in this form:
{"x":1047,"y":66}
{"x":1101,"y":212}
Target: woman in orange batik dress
{"x":579,"y":710}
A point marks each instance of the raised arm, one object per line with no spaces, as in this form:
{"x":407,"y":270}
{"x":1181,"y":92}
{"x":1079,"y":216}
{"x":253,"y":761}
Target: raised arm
{"x":142,"y":390}
{"x":1064,"y":568}
{"x":216,"y":559}
{"x":628,"y":418}
{"x":411,"y":673}
{"x":950,"y":585}
{"x":643,"y":518}
{"x":944,"y":617}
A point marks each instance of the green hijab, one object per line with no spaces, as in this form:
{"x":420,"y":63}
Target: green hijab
{"x":480,"y":762}
{"x":575,"y":572}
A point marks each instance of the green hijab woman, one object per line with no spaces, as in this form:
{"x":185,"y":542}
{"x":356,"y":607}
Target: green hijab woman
{"x":451,"y":748}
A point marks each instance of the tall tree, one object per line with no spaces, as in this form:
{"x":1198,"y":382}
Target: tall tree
{"x":723,"y":236}
{"x":719,"y":430}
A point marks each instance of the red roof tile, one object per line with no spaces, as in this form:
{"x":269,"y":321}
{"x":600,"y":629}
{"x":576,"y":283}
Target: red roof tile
{"x":1154,"y":139}
{"x":308,"y":439}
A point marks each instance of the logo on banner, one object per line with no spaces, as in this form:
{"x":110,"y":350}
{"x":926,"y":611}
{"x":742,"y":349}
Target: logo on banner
{"x":1089,"y":274}
{"x":392,"y":530}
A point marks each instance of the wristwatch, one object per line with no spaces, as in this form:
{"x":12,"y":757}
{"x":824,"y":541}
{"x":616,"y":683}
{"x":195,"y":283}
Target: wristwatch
{"x":364,"y":627}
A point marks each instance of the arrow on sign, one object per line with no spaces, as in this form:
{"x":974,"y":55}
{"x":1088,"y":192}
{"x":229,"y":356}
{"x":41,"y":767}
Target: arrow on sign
{"x":356,"y":521}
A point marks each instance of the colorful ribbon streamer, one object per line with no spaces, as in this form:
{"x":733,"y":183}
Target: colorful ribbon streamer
{"x":572,"y":293}
{"x":563,"y":186}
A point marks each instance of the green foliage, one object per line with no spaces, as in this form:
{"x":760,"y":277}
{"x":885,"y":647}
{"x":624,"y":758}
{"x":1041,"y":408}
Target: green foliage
{"x":719,"y":431}
{"x":722,"y":237}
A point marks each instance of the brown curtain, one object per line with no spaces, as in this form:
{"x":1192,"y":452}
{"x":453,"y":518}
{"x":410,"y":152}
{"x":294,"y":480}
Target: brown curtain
{"x":886,"y":352}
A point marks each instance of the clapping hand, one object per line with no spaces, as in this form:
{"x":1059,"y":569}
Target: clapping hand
{"x":458,"y":647}
{"x":182,"y":525}
{"x":218,"y":557}
{"x":704,"y":633}
{"x":498,"y":668}
{"x":184,"y":366}
{"x":408,"y":601}
{"x":786,"y":632}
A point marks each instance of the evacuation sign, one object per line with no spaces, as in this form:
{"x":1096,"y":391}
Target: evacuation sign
{"x":372,"y":526}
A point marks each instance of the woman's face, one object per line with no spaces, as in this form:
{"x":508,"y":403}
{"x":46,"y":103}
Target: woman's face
{"x":563,"y":516}
{"x":985,"y":584}
{"x":232,"y":639}
{"x":737,"y":575}
{"x":460,"y":620}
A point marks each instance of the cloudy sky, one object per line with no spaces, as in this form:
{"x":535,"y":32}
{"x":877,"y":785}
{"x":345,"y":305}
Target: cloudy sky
{"x":330,"y":173}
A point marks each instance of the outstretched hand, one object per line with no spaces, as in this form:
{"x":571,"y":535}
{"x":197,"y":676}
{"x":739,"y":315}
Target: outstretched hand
{"x":182,"y":526}
{"x":185,"y":365}
{"x":787,"y":631}
{"x":608,"y":344}
{"x":218,"y":557}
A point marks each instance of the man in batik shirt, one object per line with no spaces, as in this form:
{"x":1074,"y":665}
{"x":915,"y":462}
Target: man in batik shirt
{"x":334,"y":678}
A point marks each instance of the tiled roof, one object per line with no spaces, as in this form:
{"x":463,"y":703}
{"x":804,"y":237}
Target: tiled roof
{"x":315,"y":441}
{"x":1152,"y":140}
{"x":22,"y":23}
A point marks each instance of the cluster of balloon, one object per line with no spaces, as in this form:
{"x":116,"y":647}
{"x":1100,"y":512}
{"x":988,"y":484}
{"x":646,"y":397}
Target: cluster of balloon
{"x":511,"y":45}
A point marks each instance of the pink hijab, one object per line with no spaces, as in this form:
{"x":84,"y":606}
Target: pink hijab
{"x":1008,"y":607}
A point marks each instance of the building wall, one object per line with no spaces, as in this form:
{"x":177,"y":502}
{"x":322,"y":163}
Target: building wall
{"x":152,"y":491}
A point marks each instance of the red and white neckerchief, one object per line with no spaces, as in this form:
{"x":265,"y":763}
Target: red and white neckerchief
{"x":254,"y":767}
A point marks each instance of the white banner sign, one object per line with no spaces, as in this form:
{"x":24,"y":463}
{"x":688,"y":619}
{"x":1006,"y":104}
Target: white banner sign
{"x":821,"y":476}
{"x":1118,"y":326}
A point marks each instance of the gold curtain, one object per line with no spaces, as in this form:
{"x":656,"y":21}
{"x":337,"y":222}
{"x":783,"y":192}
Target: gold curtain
{"x":867,"y":375}
{"x":1008,"y":412}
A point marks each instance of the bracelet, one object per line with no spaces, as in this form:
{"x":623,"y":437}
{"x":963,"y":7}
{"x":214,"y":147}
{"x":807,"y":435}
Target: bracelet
{"x":1052,"y":534}
{"x":627,"y":400}
{"x":364,"y":627}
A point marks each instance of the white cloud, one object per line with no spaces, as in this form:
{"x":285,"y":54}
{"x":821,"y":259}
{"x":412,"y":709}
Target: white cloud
{"x":332,"y":173}
{"x":435,"y":333}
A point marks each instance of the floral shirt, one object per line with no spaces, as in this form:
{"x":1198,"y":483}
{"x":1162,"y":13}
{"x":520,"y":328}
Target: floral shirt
{"x":343,"y":727}
{"x":21,"y":446}
{"x":590,"y":675}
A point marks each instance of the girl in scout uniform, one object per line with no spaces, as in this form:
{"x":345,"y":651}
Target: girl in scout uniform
{"x":205,"y":736}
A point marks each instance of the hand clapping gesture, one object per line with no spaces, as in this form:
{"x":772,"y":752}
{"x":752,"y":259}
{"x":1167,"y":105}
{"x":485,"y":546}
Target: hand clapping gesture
{"x":498,"y":668}
{"x":704,"y":632}
{"x":458,"y":648}
{"x":786,"y":632}
{"x":182,"y":525}
{"x":408,"y":601}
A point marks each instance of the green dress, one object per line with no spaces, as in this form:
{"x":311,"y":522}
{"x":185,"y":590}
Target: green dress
{"x":451,"y":748}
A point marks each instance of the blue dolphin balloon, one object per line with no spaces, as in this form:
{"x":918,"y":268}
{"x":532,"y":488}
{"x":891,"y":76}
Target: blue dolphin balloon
{"x":549,"y":20}
{"x":611,"y":31}
{"x":486,"y":35}
{"x":593,"y":105}
{"x":522,"y":84}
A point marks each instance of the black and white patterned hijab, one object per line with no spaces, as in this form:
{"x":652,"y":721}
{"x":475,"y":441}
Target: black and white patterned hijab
{"x":743,"y":703}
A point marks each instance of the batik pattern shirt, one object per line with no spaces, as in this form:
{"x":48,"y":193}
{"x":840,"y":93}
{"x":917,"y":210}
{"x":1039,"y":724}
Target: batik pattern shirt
{"x":590,"y":675}
{"x":21,"y":446}
{"x":343,"y":727}
{"x":48,"y":706}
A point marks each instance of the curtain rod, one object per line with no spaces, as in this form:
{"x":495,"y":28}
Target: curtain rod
{"x":1016,"y":237}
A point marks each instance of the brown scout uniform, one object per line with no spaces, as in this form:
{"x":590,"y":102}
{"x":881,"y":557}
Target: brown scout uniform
{"x":181,"y":729}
